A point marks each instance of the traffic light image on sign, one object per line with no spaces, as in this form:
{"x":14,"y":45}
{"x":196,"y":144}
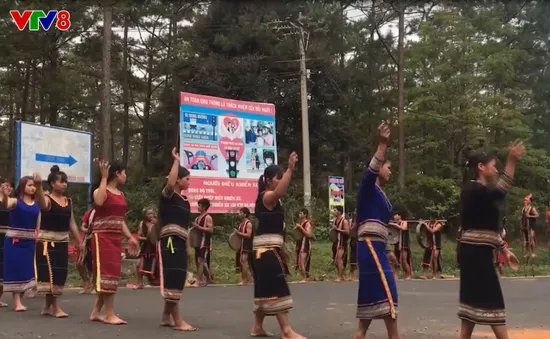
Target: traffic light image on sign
{"x":232,"y":163}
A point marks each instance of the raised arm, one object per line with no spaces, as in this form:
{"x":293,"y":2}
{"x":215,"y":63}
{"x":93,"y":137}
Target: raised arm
{"x":173,"y":175}
{"x":504,"y":183}
{"x":271,"y":198}
{"x":100,"y":194}
{"x":369,"y":178}
{"x":7,"y":202}
{"x":41,"y":197}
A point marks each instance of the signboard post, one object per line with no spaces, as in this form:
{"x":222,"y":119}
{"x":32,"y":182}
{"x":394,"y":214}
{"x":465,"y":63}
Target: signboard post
{"x":39,"y":147}
{"x":226,"y":144}
{"x":336,"y":196}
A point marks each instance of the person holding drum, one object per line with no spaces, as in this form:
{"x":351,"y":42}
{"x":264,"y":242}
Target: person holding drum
{"x":377,"y":295}
{"x":245,"y":231}
{"x":205,"y":225}
{"x":171,"y":228}
{"x":341,"y":226}
{"x":271,"y":293}
{"x":483,"y":193}
{"x":303,"y":246}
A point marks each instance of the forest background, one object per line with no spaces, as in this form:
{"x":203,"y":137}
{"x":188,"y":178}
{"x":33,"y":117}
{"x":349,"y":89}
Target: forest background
{"x":475,"y":75}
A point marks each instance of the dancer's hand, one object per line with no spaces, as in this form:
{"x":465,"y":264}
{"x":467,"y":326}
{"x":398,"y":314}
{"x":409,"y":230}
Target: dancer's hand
{"x":37,"y":179}
{"x":511,"y":260}
{"x":384,"y":132}
{"x":292,"y":160}
{"x":517,"y":150}
{"x":103,"y":168}
{"x":175,"y":154}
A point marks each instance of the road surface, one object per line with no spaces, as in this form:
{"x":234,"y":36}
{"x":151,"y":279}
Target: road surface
{"x":427,"y":309}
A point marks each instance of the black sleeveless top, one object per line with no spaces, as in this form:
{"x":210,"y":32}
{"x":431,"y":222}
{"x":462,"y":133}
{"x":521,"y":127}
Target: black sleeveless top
{"x":57,"y":218}
{"x":206,"y":236}
{"x":269,"y":221}
{"x":175,"y":210}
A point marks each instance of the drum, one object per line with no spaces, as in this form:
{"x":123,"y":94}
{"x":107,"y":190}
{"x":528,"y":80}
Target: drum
{"x":235,"y":241}
{"x":297,"y":234}
{"x":333,"y":235}
{"x":194,"y":238}
{"x":422,"y":234}
{"x":393,"y":234}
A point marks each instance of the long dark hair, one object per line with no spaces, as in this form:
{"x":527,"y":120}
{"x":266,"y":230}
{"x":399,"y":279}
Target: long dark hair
{"x":270,"y":172}
{"x":474,"y":159}
{"x":114,"y":169}
{"x":20,"y":190}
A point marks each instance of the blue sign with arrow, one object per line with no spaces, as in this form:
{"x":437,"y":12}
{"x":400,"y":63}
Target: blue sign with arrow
{"x":55,"y":159}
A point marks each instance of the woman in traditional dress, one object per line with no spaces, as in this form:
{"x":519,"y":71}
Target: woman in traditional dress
{"x":51,"y":259}
{"x":4,"y":222}
{"x":481,"y":300}
{"x":271,"y":293}
{"x":174,"y":217}
{"x":245,"y":230}
{"x":19,"y":242}
{"x":108,"y":228}
{"x":84,"y":267}
{"x":148,"y":248}
{"x":377,"y":296}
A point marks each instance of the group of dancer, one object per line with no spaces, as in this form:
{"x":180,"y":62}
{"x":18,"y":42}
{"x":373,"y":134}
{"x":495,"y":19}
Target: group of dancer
{"x":40,"y":226}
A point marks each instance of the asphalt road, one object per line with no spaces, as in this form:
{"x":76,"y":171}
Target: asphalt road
{"x":427,"y":309}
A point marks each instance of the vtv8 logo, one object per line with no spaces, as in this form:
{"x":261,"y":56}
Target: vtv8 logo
{"x":36,"y":18}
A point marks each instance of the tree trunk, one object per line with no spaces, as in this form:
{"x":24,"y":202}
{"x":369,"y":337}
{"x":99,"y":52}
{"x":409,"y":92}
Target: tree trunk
{"x":43,"y":92}
{"x":52,"y":91}
{"x":401,"y":93}
{"x":25,"y":91}
{"x":105,"y":135}
{"x":147,"y":108}
{"x":125,"y":95}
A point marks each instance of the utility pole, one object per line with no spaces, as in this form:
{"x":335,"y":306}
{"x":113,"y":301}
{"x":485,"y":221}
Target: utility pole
{"x":298,"y":29}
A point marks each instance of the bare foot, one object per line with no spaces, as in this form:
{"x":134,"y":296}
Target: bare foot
{"x":336,"y":280}
{"x":97,"y":317}
{"x":408,"y":278}
{"x":20,"y":308}
{"x":185,"y":327}
{"x":533,"y":255}
{"x":423,"y":277}
{"x":60,"y":314}
{"x":260,"y":333}
{"x":2,"y":305}
{"x":303,"y":281}
{"x":242,"y":283}
{"x":138,"y":287}
{"x":47,"y":311}
{"x":167,"y":323}
{"x":358,"y":336}
{"x":292,"y":335}
{"x":114,"y":320}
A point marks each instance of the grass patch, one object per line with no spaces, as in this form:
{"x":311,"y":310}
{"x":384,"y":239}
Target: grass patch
{"x":223,"y":261}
